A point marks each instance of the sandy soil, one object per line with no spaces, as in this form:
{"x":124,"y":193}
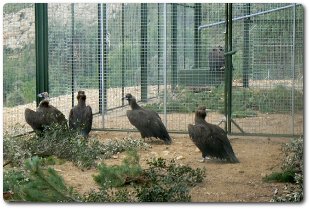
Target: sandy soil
{"x":240,"y":182}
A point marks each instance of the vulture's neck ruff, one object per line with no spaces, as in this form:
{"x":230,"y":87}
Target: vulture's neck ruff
{"x":44,"y":103}
{"x":200,"y":116}
{"x":133,"y":103}
{"x":81,"y":100}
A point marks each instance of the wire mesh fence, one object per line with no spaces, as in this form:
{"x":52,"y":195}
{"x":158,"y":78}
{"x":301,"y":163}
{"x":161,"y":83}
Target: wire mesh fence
{"x":18,"y":63}
{"x":109,"y":50}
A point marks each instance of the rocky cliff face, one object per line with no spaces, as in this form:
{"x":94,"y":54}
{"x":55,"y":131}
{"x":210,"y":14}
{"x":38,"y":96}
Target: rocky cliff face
{"x":19,"y":27}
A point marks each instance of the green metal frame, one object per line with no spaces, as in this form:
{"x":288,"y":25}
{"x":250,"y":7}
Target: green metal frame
{"x":228,"y":67}
{"x":41,"y":41}
{"x":158,"y":47}
{"x":72,"y":53}
{"x":143,"y":52}
{"x":123,"y":54}
{"x":102,"y":60}
{"x":246,"y":46}
{"x":174,"y":42}
{"x":197,"y":38}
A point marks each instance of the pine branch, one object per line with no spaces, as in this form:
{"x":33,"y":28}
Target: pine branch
{"x":50,"y":181}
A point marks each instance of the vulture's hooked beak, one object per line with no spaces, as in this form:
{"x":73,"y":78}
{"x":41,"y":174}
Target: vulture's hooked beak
{"x":43,"y":94}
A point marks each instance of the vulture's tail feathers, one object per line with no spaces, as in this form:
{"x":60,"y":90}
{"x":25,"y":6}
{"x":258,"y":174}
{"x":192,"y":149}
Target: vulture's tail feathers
{"x":231,"y":157}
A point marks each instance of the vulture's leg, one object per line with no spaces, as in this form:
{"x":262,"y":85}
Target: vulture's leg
{"x":143,"y":137}
{"x":202,"y":160}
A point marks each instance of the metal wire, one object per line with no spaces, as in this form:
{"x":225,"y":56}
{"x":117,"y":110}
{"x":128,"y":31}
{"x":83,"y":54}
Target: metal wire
{"x":165,"y":55}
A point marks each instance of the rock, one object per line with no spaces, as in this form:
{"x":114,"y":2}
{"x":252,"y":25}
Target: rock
{"x":180,"y":157}
{"x":166,"y":152}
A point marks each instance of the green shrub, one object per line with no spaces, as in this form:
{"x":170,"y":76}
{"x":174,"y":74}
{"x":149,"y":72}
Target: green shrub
{"x":278,"y":100}
{"x":245,"y":102}
{"x":292,"y":171}
{"x":38,"y":184}
{"x":64,"y":144}
{"x":285,"y":176}
{"x":116,"y":176}
{"x":160,"y":182}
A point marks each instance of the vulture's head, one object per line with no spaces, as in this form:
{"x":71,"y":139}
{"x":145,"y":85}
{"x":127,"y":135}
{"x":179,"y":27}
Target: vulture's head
{"x":131,"y":99}
{"x":81,"y":95}
{"x":81,"y":92}
{"x":201,"y":112}
{"x":45,"y":101}
{"x":44,"y":95}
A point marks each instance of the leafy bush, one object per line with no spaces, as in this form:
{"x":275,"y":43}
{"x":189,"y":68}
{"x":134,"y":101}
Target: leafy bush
{"x":12,"y":182}
{"x":111,"y":147}
{"x":284,"y":176}
{"x":278,"y":100}
{"x":245,"y":102}
{"x":118,"y":175}
{"x":158,"y":183}
{"x":292,"y":171}
{"x":16,"y":150}
{"x":60,"y":142}
{"x":128,"y":182}
{"x":168,"y":183}
{"x":184,"y":100}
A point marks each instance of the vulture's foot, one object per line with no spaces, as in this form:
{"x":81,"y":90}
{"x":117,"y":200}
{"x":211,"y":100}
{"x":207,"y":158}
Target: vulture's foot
{"x":202,"y":160}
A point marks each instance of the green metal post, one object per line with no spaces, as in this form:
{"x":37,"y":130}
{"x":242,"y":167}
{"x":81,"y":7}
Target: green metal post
{"x":102,"y":57}
{"x":229,"y":64}
{"x":41,"y":40}
{"x":123,"y":55}
{"x":158,"y":47}
{"x":72,"y":54}
{"x":197,"y":23}
{"x":174,"y":42}
{"x":143,"y":52}
{"x":246,"y":46}
{"x":226,"y":65}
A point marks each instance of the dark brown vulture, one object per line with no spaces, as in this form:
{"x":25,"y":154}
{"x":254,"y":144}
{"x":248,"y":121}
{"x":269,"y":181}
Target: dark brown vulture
{"x":81,"y":116}
{"x":217,"y":61}
{"x":211,"y":140}
{"x":45,"y":115}
{"x":146,"y":121}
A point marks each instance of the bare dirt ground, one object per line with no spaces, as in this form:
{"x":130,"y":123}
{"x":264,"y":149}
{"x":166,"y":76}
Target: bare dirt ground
{"x":224,"y":182}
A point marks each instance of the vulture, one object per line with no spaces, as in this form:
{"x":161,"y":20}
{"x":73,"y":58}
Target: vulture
{"x":217,"y":61}
{"x":45,"y":115}
{"x":146,"y":121}
{"x":210,"y":139}
{"x":81,"y":116}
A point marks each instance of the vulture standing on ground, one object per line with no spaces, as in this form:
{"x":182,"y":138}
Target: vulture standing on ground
{"x":81,"y":116}
{"x":146,"y":121}
{"x":45,"y":115}
{"x":211,"y":140}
